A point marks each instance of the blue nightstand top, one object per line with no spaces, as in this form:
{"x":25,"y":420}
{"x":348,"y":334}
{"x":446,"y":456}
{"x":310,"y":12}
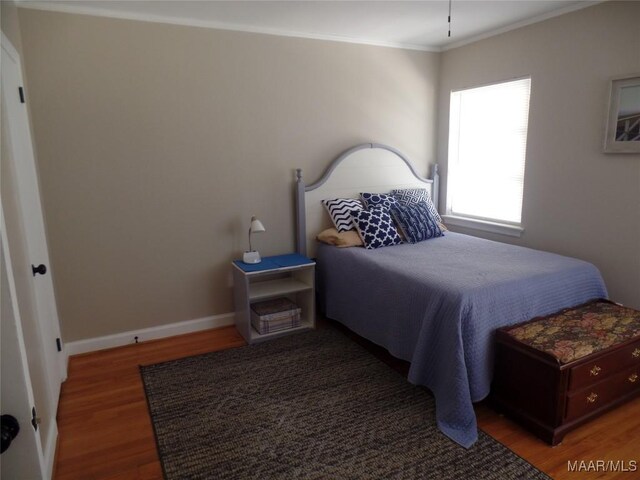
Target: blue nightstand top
{"x":275,"y":262}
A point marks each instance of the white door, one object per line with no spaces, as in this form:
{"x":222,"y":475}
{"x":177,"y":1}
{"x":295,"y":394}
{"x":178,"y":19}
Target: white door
{"x":24,"y":459}
{"x":27,"y":244}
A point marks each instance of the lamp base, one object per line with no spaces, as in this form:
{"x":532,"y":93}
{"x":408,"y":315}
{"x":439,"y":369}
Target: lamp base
{"x":251,"y":257}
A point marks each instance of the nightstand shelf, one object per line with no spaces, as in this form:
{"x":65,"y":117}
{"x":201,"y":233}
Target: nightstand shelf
{"x":276,"y":288}
{"x":290,"y":276}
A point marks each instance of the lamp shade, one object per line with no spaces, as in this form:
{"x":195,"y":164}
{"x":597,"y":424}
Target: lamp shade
{"x":257,"y":226}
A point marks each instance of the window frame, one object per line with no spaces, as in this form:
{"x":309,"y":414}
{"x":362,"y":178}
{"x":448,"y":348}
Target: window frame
{"x":503,"y":227}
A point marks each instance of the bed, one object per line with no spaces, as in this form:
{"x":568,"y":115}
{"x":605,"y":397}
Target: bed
{"x":435,"y":303}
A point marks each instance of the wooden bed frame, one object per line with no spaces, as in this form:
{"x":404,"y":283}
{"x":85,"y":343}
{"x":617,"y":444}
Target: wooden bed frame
{"x":369,"y":167}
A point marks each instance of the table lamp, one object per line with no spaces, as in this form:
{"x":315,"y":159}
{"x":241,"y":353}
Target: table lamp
{"x":252,"y":256}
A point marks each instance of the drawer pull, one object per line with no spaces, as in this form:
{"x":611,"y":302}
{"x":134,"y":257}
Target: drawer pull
{"x":633,"y":377}
{"x":595,"y":370}
{"x":636,"y":353}
{"x":592,"y":398}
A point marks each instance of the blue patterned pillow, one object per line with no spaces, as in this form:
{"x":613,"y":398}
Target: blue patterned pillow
{"x":376,"y":228}
{"x":371,"y":200}
{"x":340,"y":212}
{"x":416,"y":222}
{"x":409,"y":196}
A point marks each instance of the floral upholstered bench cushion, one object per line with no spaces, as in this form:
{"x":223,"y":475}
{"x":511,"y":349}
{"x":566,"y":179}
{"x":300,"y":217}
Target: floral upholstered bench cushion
{"x":580,"y":331}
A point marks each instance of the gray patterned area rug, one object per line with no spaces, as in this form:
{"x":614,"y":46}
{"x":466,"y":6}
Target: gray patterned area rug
{"x":313,"y":405}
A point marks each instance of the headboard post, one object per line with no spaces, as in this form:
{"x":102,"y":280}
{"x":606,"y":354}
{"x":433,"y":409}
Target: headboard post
{"x":435,"y":193}
{"x":301,"y":221}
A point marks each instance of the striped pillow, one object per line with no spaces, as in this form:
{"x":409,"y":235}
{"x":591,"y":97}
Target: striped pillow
{"x":340,"y":210}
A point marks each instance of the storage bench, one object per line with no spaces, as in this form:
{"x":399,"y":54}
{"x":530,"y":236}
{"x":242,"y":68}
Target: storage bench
{"x":554,"y":373}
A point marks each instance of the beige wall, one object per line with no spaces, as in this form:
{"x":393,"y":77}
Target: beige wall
{"x":10,"y":24}
{"x":156,"y":143}
{"x":578,"y":201}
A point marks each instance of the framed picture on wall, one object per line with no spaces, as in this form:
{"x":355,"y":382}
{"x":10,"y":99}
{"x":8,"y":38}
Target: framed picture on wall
{"x":622,"y":134}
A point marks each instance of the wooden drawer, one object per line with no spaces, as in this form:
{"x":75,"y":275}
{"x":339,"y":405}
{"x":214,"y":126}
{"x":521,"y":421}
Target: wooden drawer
{"x":598,"y":395}
{"x":603,"y":366}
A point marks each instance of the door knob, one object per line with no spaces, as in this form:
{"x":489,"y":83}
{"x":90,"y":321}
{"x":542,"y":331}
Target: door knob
{"x":40,"y":269}
{"x":10,"y":428}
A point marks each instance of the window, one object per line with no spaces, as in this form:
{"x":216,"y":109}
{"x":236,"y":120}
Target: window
{"x":487,"y":147}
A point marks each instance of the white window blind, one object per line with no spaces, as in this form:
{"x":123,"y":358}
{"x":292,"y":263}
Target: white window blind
{"x":487,"y":147}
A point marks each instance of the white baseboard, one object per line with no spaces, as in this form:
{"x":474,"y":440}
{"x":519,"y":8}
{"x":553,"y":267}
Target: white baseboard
{"x":161,"y":331}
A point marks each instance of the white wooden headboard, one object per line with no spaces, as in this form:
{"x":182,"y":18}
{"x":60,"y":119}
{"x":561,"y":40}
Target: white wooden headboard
{"x":370,"y":167}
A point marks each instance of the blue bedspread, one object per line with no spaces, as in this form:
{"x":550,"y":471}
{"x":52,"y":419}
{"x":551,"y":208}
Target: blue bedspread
{"x":437,"y":303}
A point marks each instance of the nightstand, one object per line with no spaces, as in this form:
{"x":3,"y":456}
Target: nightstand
{"x":291,"y":276}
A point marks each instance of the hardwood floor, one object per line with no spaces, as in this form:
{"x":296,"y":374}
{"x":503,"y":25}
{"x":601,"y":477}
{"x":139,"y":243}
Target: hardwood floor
{"x":613,"y":437}
{"x":104,"y":427}
{"x":105,"y":432}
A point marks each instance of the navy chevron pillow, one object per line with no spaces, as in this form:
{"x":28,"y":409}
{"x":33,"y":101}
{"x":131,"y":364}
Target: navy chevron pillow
{"x":340,"y":210}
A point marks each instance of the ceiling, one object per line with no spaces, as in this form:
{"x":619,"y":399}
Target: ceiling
{"x":406,"y":24}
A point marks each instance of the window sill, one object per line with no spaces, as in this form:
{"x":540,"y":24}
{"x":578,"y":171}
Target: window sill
{"x":484,"y":225}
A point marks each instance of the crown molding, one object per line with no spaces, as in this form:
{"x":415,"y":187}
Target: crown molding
{"x":101,"y":12}
{"x":530,"y":21}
